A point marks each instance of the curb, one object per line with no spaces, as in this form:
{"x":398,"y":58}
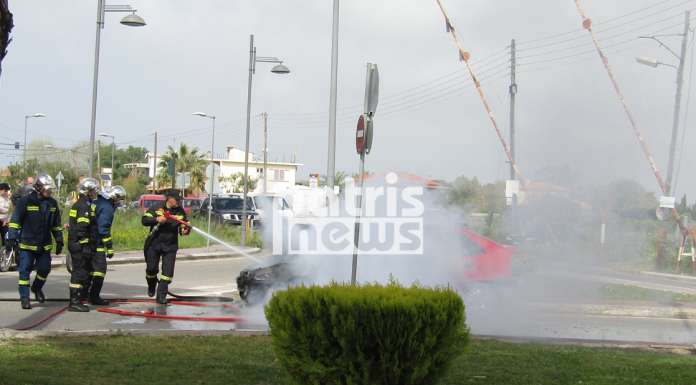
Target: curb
{"x":60,"y":261}
{"x":16,"y":334}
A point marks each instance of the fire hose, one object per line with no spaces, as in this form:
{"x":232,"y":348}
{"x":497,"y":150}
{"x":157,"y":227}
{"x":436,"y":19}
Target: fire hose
{"x":193,"y":301}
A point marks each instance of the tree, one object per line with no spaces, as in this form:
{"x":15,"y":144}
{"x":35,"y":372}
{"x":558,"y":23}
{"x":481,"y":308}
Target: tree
{"x":187,"y":160}
{"x":122,"y":156}
{"x":234,"y":184}
{"x":6,"y":25}
{"x":134,"y":186}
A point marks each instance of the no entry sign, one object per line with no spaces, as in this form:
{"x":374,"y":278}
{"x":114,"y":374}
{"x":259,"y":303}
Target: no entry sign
{"x":363,"y":135}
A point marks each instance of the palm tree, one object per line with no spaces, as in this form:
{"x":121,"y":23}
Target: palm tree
{"x":187,"y":160}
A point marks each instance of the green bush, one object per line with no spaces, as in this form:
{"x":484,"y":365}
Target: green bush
{"x":370,"y":334}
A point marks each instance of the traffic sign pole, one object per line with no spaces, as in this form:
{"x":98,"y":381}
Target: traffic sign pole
{"x":363,"y":144}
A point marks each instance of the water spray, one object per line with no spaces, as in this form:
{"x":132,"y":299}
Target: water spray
{"x":212,"y":238}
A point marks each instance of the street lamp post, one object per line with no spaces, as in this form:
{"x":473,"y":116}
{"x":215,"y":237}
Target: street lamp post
{"x":279,"y":68}
{"x":678,"y":96}
{"x":26,"y":120}
{"x":212,"y":170}
{"x":333,"y":97}
{"x":131,"y":20}
{"x":113,"y":150}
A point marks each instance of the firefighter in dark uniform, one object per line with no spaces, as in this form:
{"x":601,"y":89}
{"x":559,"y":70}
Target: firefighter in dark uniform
{"x":106,"y":204}
{"x":36,"y":217}
{"x":163,"y":242}
{"x":81,"y":241}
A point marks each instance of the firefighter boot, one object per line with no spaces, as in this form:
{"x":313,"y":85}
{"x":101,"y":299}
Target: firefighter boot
{"x":86,"y":286}
{"x":26,"y":304}
{"x":151,"y":287}
{"x":75,"y":304}
{"x":162,"y":290}
{"x":36,"y":288}
{"x":95,"y":290}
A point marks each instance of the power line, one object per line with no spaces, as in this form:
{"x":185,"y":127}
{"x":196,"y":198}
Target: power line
{"x":609,"y":21}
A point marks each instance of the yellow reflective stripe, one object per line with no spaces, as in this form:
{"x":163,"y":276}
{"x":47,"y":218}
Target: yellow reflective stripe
{"x":73,"y":213}
{"x":83,"y":241}
{"x":48,"y":247}
{"x":52,"y":209}
{"x":107,"y":239}
{"x":101,"y":249}
{"x":109,"y":251}
{"x":75,"y":286}
{"x":147,"y":215}
{"x":15,"y":226}
{"x":32,"y":208}
{"x":165,"y":278}
{"x":58,"y":228}
{"x":40,"y":278}
{"x":150,"y":276}
{"x":82,"y":220}
{"x":23,"y":282}
{"x":28,"y":247}
{"x":98,"y":274}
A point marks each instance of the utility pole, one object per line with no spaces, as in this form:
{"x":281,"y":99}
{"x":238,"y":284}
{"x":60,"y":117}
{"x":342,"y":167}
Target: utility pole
{"x":513,"y":93}
{"x":154,"y":162}
{"x":99,"y":161}
{"x":265,"y":152}
{"x":333,"y":97}
{"x":677,"y":102}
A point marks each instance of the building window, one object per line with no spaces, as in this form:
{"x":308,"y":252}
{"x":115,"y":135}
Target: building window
{"x":279,"y":175}
{"x":259,"y":171}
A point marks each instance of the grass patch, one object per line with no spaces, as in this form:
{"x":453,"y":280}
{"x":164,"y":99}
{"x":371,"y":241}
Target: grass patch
{"x":130,"y":234}
{"x":127,"y":360}
{"x":614,"y":292}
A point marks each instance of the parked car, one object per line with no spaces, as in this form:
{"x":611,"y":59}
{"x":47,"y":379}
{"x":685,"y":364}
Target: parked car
{"x":192,"y":205}
{"x":265,"y":205}
{"x":147,"y":201}
{"x":227,"y":209}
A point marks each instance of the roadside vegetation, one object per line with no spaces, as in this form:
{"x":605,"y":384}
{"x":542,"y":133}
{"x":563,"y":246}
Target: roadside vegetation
{"x":625,"y":293}
{"x":129,"y":233}
{"x":212,"y":360}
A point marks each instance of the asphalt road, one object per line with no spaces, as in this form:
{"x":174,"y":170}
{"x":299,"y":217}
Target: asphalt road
{"x":492,"y":309}
{"x":212,"y":277}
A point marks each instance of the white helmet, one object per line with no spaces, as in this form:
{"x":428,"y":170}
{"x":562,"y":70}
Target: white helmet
{"x":116,"y":194}
{"x":44,"y":182}
{"x":88,"y":186}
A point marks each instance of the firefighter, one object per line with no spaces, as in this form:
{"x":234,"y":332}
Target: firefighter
{"x":81,"y":240}
{"x":163,"y":242}
{"x":106,"y":204}
{"x":35,"y":218}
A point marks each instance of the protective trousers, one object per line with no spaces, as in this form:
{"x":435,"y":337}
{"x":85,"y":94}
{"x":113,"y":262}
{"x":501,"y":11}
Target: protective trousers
{"x":81,"y":259}
{"x":153,"y":254}
{"x":33,"y":260}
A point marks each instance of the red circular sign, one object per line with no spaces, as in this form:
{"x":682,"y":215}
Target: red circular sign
{"x":360,"y":135}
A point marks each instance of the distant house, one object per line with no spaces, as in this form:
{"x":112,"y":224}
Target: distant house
{"x":281,"y":175}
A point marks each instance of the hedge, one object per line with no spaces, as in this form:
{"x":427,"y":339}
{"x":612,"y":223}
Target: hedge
{"x":371,"y":334}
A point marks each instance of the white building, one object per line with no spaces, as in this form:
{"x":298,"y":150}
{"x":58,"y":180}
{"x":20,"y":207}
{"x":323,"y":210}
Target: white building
{"x":281,"y":175}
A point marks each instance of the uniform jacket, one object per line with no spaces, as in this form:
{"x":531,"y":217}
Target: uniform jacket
{"x":167,"y":233}
{"x":83,"y":225}
{"x":33,"y":222}
{"x":105,"y":218}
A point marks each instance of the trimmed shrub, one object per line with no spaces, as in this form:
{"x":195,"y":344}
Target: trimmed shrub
{"x":371,"y":334}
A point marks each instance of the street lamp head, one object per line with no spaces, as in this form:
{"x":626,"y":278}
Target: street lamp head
{"x":105,"y":135}
{"x":133,"y":20}
{"x":203,"y":114}
{"x":38,"y":115}
{"x":280,"y":69}
{"x":650,"y":62}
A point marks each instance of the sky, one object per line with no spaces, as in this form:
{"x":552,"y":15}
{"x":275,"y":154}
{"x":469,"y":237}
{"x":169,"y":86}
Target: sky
{"x":193,"y":56}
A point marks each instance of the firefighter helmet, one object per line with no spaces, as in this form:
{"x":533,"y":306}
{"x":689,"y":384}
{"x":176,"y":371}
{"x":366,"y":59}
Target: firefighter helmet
{"x":116,"y":194}
{"x":88,"y":186}
{"x":44,"y":182}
